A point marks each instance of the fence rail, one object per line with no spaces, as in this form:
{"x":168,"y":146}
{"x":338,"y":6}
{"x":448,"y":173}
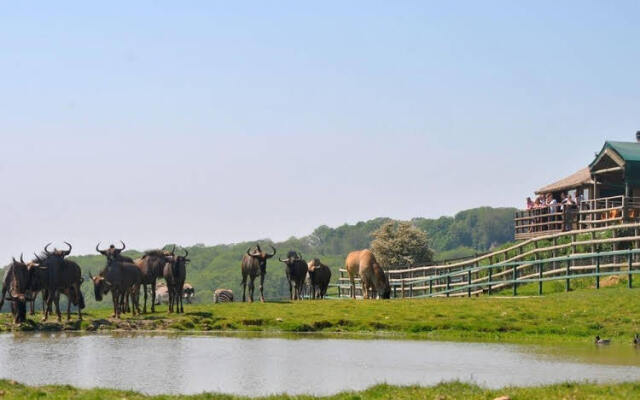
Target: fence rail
{"x":562,"y":256}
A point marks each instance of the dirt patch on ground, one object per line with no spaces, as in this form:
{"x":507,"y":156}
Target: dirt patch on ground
{"x":613,"y":280}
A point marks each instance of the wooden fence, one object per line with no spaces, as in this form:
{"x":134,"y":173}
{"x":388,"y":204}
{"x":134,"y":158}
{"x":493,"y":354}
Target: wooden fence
{"x":594,"y":252}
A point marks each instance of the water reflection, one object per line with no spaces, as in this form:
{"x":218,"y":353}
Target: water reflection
{"x":258,"y":365}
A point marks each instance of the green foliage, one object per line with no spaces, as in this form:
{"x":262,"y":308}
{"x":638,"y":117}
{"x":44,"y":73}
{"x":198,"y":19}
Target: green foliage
{"x":400,"y":243}
{"x":479,"y":228}
{"x":444,"y":391}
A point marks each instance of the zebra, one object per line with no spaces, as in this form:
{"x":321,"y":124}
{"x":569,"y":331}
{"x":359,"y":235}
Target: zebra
{"x":223,"y":296}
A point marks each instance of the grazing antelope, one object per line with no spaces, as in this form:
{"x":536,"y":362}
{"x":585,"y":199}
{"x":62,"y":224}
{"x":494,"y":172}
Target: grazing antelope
{"x":363,"y":263}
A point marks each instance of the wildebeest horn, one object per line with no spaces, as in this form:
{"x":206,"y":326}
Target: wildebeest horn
{"x":21,"y":259}
{"x":124,"y":246}
{"x":281,"y":260}
{"x":98,"y":249}
{"x":45,"y":248}
{"x":258,"y":247}
{"x":90,"y":276}
{"x":249,"y":252}
{"x":173,"y":250}
{"x":186,"y":253}
{"x":37,"y":258}
{"x":274,"y":251}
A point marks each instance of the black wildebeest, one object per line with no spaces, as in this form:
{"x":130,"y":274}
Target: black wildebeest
{"x":151,"y":264}
{"x":38,"y":279}
{"x":61,"y":276}
{"x":175,"y":273}
{"x":122,"y":279}
{"x":254,"y":263}
{"x":320,"y":276}
{"x":296,"y":271}
{"x":114,"y":253}
{"x":15,"y":286}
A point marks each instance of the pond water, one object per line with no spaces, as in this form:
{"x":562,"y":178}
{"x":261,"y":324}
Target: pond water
{"x":255,"y":366}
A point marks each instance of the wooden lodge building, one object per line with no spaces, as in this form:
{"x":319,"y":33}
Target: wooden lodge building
{"x":605,"y":192}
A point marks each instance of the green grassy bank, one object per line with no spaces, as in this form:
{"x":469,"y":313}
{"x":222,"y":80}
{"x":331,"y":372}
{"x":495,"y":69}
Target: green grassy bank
{"x":444,"y":391}
{"x":560,"y":317}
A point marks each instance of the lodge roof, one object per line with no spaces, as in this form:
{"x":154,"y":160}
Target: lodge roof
{"x":577,"y":179}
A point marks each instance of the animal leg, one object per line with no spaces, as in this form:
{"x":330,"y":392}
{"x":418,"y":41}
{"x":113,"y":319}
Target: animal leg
{"x":365,"y":286}
{"x":262,"y":288}
{"x":291,"y":295}
{"x":244,"y":289}
{"x":144,"y":305}
{"x":153,"y":297}
{"x":353,"y":287}
{"x":56,"y":301}
{"x":69,"y":305}
{"x":251,"y":287}
{"x":116,"y":303}
{"x":4,"y":293}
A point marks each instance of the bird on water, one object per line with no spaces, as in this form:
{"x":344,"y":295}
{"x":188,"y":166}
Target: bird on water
{"x":602,"y":341}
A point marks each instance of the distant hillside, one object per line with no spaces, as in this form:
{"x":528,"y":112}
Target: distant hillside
{"x":212,"y":267}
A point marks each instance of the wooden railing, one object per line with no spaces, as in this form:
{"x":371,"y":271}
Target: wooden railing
{"x":605,"y":211}
{"x":499,"y":269}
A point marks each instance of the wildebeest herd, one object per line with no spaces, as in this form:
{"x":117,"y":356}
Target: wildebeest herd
{"x":52,"y":274}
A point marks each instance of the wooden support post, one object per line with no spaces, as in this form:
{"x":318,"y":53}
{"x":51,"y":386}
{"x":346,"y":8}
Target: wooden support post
{"x":402,"y":288}
{"x":395,"y":293}
{"x":615,"y":245}
{"x":630,"y":281}
{"x":411,"y":289}
{"x":597,"y":271}
{"x":490,"y":273}
{"x":540,"y":279}
{"x":430,"y":286}
{"x":515,"y":276}
{"x":554,"y":252}
{"x":537,"y":257}
{"x":448,"y":284}
{"x":568,"y":285}
{"x":469,"y":283}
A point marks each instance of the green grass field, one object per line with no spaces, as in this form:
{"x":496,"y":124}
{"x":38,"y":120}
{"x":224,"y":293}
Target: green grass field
{"x":559,"y":317}
{"x":445,"y":391}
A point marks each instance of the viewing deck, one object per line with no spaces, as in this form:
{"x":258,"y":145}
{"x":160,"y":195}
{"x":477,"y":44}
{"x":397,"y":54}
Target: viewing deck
{"x":588,"y":214}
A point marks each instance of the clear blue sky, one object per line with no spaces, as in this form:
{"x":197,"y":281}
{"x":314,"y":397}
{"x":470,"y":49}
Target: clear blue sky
{"x":212,"y":122}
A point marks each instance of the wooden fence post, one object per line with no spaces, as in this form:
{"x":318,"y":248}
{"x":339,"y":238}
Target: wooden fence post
{"x":402,"y":288}
{"x":630,"y":282}
{"x":537,"y":257}
{"x":568,"y":285}
{"x":490,"y":276}
{"x":515,"y":276}
{"x":540,"y":279}
{"x":469,"y":283}
{"x":597,"y":271}
{"x":430,"y":286}
{"x":448,"y":284}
